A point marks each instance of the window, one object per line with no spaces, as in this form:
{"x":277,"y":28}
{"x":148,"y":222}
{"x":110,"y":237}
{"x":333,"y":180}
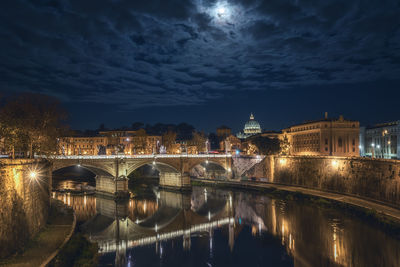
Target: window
{"x":340,"y":142}
{"x":354,"y":142}
{"x":326,"y":141}
{"x":326,"y":149}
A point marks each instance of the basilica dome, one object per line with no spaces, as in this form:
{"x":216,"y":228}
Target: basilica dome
{"x":252,"y":126}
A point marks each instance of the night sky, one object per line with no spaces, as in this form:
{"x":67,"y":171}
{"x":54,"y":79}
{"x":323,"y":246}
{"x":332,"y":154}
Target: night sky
{"x":207,"y":63}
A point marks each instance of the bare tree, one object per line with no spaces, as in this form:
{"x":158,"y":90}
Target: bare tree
{"x":32,"y":122}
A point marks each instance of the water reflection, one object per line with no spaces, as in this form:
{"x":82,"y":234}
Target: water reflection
{"x":224,"y":228}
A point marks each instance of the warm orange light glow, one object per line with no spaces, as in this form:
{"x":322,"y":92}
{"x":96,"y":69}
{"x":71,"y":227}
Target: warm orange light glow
{"x":33,"y":175}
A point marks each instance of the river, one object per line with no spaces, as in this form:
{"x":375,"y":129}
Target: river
{"x":217,"y":227}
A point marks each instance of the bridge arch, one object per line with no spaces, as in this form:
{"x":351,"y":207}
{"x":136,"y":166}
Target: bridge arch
{"x":209,"y":168}
{"x":158,"y":165}
{"x":94,"y":169}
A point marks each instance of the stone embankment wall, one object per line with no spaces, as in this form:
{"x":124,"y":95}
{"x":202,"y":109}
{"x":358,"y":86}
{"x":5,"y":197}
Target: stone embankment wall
{"x":368,"y":178}
{"x":24,"y":202}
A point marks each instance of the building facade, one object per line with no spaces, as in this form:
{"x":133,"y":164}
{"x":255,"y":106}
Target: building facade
{"x":327,"y":137}
{"x":82,"y":145}
{"x":111,"y":143}
{"x":381,"y":141}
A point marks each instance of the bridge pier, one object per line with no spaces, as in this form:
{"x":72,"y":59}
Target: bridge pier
{"x":175,"y":180}
{"x":111,"y":186}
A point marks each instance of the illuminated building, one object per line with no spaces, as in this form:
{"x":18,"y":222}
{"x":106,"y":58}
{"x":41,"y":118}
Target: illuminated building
{"x":251,"y":127}
{"x":82,"y":145}
{"x":143,"y":144}
{"x":330,"y":137}
{"x":381,"y":140}
{"x":110,"y":143}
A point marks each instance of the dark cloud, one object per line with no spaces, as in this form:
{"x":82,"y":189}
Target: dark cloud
{"x":167,"y":53}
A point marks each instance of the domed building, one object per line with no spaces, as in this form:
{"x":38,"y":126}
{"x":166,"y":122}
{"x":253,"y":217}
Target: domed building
{"x":251,"y":127}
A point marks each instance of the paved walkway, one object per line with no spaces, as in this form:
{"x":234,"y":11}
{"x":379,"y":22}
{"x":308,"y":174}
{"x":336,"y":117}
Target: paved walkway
{"x":46,"y":244}
{"x":352,"y":200}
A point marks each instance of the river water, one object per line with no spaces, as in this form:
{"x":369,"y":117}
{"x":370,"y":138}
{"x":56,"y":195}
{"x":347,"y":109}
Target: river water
{"x":216,"y":227}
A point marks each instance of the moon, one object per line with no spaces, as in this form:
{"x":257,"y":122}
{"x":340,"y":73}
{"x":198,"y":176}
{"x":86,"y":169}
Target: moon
{"x":221,"y":11}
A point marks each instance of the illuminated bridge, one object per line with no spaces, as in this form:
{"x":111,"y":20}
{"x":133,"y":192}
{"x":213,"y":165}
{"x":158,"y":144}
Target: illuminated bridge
{"x":174,"y":170}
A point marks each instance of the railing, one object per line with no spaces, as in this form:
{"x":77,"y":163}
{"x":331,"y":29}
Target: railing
{"x":155,"y":156}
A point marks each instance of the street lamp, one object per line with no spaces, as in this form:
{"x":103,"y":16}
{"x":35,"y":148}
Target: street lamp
{"x":33,"y":175}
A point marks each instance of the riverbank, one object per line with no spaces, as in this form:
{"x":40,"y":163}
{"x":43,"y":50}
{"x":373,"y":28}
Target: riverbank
{"x":47,"y":243}
{"x":386,"y":216}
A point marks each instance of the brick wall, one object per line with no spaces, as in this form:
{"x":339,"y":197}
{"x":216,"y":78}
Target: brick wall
{"x":369,"y":178}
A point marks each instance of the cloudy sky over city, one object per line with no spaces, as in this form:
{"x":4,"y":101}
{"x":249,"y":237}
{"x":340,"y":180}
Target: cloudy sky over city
{"x":205,"y":62}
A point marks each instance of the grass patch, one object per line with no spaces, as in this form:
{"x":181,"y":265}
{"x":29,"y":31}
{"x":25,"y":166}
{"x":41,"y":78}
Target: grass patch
{"x":78,"y":252}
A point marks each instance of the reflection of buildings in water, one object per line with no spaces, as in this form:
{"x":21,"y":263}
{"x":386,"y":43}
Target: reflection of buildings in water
{"x":140,"y":209}
{"x":312,"y":236}
{"x":83,"y":205}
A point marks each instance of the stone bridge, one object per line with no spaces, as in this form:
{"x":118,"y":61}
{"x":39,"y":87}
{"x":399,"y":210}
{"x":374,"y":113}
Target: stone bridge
{"x":112,"y":171}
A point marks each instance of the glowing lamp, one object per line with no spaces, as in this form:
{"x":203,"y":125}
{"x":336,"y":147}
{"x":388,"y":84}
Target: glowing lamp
{"x":334,"y":163}
{"x":33,"y":175}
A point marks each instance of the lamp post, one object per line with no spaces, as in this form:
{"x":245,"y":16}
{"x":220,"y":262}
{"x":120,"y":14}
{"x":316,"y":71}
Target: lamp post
{"x":373,"y":150}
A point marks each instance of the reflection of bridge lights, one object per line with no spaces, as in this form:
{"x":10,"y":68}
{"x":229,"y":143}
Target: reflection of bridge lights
{"x":206,"y":161}
{"x":78,"y":165}
{"x":209,"y":215}
{"x":156,"y":228}
{"x":154,"y":162}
